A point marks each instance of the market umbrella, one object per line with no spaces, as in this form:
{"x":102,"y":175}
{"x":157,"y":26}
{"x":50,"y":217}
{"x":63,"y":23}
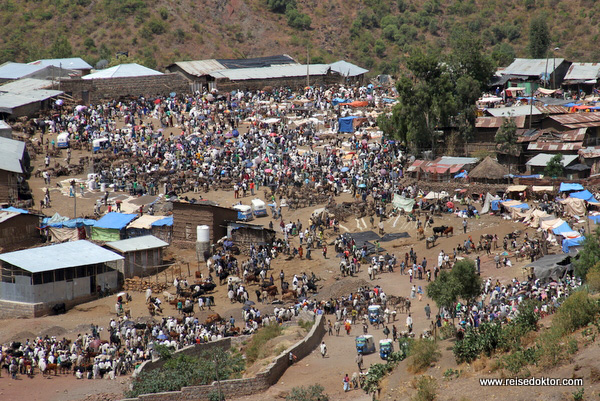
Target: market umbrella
{"x":344,"y":169}
{"x":229,"y":135}
{"x":362,"y":185}
{"x":248,"y":302}
{"x":273,"y":134}
{"x":236,"y":133}
{"x":246,"y":307}
{"x":157,"y":101}
{"x":383,"y":171}
{"x":450,"y":205}
{"x":162,"y":337}
{"x":95,"y":344}
{"x":268,"y":170}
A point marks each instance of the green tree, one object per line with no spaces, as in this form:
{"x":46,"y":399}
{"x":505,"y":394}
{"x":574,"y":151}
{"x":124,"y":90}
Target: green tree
{"x":280,"y":6}
{"x":503,"y":54}
{"x":467,"y":280}
{"x":61,"y":48}
{"x":297,"y":20}
{"x":310,"y":393}
{"x":554,"y":167}
{"x":443,"y":290}
{"x":589,"y":255}
{"x":539,"y":37}
{"x":506,"y":138}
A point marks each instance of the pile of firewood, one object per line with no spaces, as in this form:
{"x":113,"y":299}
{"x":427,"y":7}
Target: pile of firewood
{"x":140,"y":285}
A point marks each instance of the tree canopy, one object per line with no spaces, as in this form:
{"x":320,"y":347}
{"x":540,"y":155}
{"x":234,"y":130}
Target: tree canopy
{"x":589,"y":256}
{"x":539,"y":37}
{"x":439,"y":92}
{"x":462,"y":282}
{"x":554,"y":167}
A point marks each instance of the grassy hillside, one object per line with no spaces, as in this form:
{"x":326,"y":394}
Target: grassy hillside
{"x":373,"y":33}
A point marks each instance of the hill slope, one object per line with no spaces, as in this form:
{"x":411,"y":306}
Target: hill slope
{"x":372,"y":33}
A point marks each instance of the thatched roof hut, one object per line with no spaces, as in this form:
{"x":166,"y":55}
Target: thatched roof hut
{"x":488,"y":170}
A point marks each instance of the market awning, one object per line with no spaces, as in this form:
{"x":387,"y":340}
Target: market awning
{"x":516,"y":188}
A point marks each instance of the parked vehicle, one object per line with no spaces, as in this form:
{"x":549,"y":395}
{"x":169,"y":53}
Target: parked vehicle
{"x":365,"y":344}
{"x":374,"y":313}
{"x":259,"y":208}
{"x":244,"y":212}
{"x":386,"y":347}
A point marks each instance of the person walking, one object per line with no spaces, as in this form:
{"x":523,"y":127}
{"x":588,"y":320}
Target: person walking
{"x":409,"y":323}
{"x":359,"y":362}
{"x":325,"y":254}
{"x":337,"y":326}
{"x":323,"y":348}
{"x":346,"y":382}
{"x":464,"y":223}
{"x":329,"y":328}
{"x":427,"y":311}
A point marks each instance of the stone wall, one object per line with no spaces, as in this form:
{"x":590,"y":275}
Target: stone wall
{"x":9,"y":309}
{"x":98,"y":90}
{"x":243,"y":387}
{"x":225,"y":85}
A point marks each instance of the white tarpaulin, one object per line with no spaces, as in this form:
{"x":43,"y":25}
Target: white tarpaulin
{"x":516,"y":188}
{"x":487,"y":203}
{"x":551,"y":223}
{"x":401,"y":202}
{"x":574,"y":206}
{"x":542,"y":188}
{"x":436,"y":195}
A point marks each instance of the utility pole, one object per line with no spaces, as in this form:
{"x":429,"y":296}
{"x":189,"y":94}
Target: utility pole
{"x":307,"y":67}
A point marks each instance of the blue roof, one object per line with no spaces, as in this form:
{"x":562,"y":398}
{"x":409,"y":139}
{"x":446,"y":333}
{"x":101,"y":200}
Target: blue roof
{"x":167,"y":221}
{"x":60,"y":256}
{"x":564,"y":186}
{"x":585,"y":195}
{"x":114,"y":220}
{"x":72,"y":223}
{"x":571,"y":242}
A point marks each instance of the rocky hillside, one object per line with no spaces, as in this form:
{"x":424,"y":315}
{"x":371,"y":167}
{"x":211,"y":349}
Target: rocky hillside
{"x":373,"y":33}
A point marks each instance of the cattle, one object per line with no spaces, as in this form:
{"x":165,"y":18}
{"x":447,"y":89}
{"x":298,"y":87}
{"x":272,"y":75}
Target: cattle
{"x":439,"y":230}
{"x":198,"y":274}
{"x":212,"y":319}
{"x":448,"y":231}
{"x":59,"y":308}
{"x":290,"y":296}
{"x":252,"y":278}
{"x":65,"y":366}
{"x":188,"y":310}
{"x":50,"y":367}
{"x":430,"y":241}
{"x":208,"y":287}
{"x":420,"y":233}
{"x":168,"y":296}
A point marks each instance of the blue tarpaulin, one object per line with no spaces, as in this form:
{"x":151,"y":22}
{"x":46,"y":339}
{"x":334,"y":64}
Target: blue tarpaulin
{"x":462,"y":174}
{"x":585,"y":195}
{"x":495,"y":204}
{"x":167,"y":221}
{"x":523,"y":206}
{"x":79,"y":222}
{"x":563,"y":228}
{"x":346,"y":124}
{"x":115,"y":221}
{"x":339,"y":100}
{"x":571,"y":242}
{"x":564,"y":187}
{"x":15,"y":210}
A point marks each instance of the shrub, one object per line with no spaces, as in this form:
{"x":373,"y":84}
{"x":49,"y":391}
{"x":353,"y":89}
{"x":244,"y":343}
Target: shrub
{"x":592,"y":278}
{"x":306,"y":324}
{"x":256,"y":348}
{"x":156,"y":26}
{"x":280,"y":6}
{"x":550,"y":350}
{"x":423,"y":353}
{"x":527,"y":316}
{"x":426,"y":389}
{"x":310,"y":393}
{"x":577,"y":311}
{"x":298,"y":20}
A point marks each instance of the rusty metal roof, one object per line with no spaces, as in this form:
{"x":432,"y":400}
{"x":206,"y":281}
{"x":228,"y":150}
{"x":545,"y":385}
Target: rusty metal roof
{"x":591,"y":152}
{"x":583,"y":125}
{"x":576,"y":118}
{"x":496,"y":122}
{"x":553,"y":109}
{"x":576,"y":135}
{"x":555,"y":146}
{"x":583,"y":71}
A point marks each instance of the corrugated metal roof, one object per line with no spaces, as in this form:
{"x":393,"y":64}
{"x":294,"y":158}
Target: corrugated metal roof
{"x":10,"y":70}
{"x":528,"y":135}
{"x":60,"y":256}
{"x":532,"y":67}
{"x":457,"y":160}
{"x":199,"y":67}
{"x":552,"y":109}
{"x":496,"y":122}
{"x":11,"y":153}
{"x":543,"y":158}
{"x":73,"y":63}
{"x":347,"y":69}
{"x":575,"y":135}
{"x":583,"y":71}
{"x":257,"y":62}
{"x":514,"y":111}
{"x":137,"y":244}
{"x":576,"y":118}
{"x":555,"y":146}
{"x":11,"y":101}
{"x":123,"y":71}
{"x":25,"y":85}
{"x":278,"y":71}
{"x":4,"y":125}
{"x":4,"y":216}
{"x":583,"y":125}
{"x":590,"y":152}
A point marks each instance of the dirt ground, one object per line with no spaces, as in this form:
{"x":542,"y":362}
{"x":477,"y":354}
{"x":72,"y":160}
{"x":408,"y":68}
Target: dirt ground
{"x":327,"y":371}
